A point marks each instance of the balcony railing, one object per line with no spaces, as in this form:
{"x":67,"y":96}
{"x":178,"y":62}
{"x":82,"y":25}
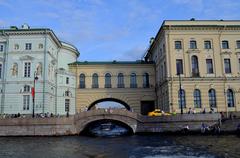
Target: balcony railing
{"x":95,"y":86}
{"x":146,"y":85}
{"x":133,"y":85}
{"x":108,"y":85}
{"x":82,"y":86}
{"x":120,"y":85}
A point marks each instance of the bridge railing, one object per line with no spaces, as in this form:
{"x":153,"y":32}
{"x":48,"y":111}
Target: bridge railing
{"x":106,"y":112}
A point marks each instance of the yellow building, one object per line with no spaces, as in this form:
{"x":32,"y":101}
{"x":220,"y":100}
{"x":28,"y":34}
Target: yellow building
{"x":129,"y":83}
{"x":206,"y":54}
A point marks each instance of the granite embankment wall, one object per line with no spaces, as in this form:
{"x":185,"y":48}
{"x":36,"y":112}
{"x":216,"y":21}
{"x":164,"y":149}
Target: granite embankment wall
{"x":37,"y":126}
{"x":177,"y":123}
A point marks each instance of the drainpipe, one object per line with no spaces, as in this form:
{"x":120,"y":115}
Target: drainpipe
{"x":44,"y":68}
{"x":56,"y":83}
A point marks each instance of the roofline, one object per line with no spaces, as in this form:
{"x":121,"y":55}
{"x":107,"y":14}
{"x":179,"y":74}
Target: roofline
{"x":164,"y":21}
{"x":141,"y":62}
{"x":71,"y":47}
{"x":45,"y":30}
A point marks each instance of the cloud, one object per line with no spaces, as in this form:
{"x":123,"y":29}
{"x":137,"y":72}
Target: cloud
{"x":134,"y":53}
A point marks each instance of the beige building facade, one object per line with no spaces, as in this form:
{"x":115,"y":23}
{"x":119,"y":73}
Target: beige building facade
{"x":129,"y":83}
{"x":206,"y":54}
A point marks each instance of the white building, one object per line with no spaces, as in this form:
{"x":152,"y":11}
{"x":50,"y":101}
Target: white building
{"x":25,"y":51}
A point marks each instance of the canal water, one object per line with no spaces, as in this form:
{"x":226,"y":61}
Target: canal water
{"x":135,"y":146}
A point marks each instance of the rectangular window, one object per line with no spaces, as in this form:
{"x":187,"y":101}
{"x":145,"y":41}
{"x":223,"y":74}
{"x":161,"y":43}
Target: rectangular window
{"x":26,"y":102}
{"x":67,"y":104}
{"x":28,"y":46}
{"x":209,"y":66}
{"x":178,"y":45}
{"x":1,"y":48}
{"x":238,"y":44}
{"x":193,"y":45}
{"x":207,"y":45}
{"x":67,"y":80}
{"x":239,"y":64}
{"x":27,"y":69}
{"x":227,"y":65}
{"x":225,"y":45}
{"x":179,"y":66}
{"x":0,"y":70}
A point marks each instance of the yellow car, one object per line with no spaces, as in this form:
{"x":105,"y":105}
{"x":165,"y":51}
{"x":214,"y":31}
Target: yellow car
{"x":156,"y":112}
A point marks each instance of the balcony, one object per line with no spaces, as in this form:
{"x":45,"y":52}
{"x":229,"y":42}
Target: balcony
{"x":82,"y":86}
{"x":195,"y":73}
{"x":108,"y":86}
{"x":133,"y":85}
{"x":120,"y":85}
{"x":95,"y":86}
{"x":146,"y":85}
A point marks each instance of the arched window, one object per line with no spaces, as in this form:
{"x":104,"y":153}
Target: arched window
{"x":145,"y":80}
{"x":133,"y":81}
{"x":26,"y":88}
{"x":195,"y":69}
{"x":95,"y":80}
{"x":212,"y":98}
{"x":197,"y":98}
{"x":108,"y":80}
{"x":230,"y":98}
{"x":67,"y":93}
{"x":183,"y":98}
{"x":120,"y":80}
{"x":82,"y":81}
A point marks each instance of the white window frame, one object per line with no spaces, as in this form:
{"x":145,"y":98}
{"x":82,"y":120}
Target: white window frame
{"x":27,"y":76}
{"x":1,"y":70}
{"x":67,"y":105}
{"x":1,"y":48}
{"x":28,"y":46}
{"x":26,"y":102}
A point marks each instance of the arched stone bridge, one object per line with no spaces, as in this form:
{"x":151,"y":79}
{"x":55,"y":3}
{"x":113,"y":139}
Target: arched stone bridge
{"x":140,"y":123}
{"x":124,"y":116}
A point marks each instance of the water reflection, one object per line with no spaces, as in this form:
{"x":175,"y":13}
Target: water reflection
{"x":136,"y":146}
{"x":107,"y":129}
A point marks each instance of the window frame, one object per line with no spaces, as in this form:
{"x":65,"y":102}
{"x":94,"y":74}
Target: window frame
{"x":197,"y":98}
{"x":27,"y":69}
{"x":181,"y":66}
{"x":227,"y":68}
{"x":210,"y":69}
{"x":207,"y":44}
{"x":183,"y":96}
{"x":212,"y":98}
{"x":225,"y":43}
{"x":230,"y":98}
{"x":28,"y":46}
{"x":193,"y":44}
{"x":178,"y":44}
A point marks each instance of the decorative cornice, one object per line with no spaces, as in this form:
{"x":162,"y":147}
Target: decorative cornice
{"x":228,"y":52}
{"x":26,"y":57}
{"x":193,"y":51}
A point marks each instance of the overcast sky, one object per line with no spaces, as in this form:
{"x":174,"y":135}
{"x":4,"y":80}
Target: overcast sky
{"x":111,"y":29}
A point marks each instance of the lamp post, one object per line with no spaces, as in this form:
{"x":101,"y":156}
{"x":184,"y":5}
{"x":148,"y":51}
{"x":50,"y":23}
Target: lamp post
{"x":33,"y":93}
{"x":180,"y":92}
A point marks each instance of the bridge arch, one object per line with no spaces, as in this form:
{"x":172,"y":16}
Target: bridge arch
{"x":110,"y":99}
{"x":127,"y":118}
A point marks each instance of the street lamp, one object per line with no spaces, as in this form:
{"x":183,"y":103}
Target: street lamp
{"x":33,"y":93}
{"x":180,"y":92}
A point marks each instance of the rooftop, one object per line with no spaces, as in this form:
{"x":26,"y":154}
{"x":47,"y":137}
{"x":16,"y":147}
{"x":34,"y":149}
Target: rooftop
{"x":110,"y":62}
